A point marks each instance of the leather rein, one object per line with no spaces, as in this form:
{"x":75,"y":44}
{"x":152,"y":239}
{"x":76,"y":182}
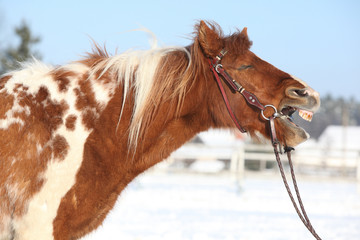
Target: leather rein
{"x":220,"y":73}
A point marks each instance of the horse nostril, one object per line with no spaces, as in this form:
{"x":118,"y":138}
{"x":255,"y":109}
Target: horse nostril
{"x":301,"y":93}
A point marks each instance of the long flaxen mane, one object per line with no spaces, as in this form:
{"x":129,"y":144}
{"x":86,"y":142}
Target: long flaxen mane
{"x":149,"y":76}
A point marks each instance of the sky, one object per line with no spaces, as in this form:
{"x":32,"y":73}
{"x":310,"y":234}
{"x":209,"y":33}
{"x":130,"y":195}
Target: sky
{"x":317,"y":41}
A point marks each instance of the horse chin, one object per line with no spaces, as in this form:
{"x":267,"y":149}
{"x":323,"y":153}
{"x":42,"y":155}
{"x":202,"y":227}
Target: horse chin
{"x":292,"y":134}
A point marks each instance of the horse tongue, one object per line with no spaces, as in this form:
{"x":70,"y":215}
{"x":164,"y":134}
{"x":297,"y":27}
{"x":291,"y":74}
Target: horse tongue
{"x":306,"y":115}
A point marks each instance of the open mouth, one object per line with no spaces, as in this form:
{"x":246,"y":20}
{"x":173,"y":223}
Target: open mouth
{"x":289,"y":111}
{"x":305,"y":101}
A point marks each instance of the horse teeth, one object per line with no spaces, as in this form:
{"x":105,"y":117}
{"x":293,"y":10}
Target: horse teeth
{"x":306,"y":115}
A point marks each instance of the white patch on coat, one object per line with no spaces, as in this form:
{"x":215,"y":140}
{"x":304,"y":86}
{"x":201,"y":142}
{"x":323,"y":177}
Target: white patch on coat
{"x":6,"y":123}
{"x":102,"y":92}
{"x":5,"y":227}
{"x":33,"y":75}
{"x":59,"y":177}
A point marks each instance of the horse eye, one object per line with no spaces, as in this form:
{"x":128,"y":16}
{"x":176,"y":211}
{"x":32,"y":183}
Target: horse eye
{"x":243,"y":67}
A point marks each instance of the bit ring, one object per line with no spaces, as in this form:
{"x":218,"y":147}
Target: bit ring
{"x":272,"y":106}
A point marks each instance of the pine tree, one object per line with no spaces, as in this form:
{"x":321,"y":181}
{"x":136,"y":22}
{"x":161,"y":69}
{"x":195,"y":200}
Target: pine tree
{"x":12,"y":56}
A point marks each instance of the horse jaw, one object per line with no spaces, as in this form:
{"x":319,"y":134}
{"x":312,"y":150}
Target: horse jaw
{"x":294,"y":135}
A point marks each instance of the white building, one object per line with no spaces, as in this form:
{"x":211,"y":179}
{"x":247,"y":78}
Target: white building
{"x":340,"y":137}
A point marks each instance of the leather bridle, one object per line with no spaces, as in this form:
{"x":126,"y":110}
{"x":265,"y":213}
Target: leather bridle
{"x":220,"y":73}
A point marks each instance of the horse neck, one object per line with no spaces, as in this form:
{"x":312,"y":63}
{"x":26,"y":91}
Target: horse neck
{"x":169,"y":125}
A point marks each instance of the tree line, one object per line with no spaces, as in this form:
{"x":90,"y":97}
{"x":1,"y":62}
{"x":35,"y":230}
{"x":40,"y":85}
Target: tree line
{"x":333,"y":111}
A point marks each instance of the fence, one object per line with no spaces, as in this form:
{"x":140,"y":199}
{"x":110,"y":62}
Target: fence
{"x":334,"y":161}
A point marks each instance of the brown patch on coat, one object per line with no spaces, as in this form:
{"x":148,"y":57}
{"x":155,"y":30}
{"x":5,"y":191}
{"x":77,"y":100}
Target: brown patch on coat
{"x":60,"y":147}
{"x":62,"y":78}
{"x":54,"y":113}
{"x":89,"y":118}
{"x":7,"y":102}
{"x":85,"y":95}
{"x":4,"y":80}
{"x":42,"y":94}
{"x":70,"y":122}
{"x":86,"y":102}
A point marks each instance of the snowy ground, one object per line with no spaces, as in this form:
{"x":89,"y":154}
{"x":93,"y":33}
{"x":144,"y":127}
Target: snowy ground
{"x":173,"y":206}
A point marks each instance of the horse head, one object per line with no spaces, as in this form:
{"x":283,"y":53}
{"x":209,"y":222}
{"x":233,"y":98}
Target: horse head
{"x":270,"y":85}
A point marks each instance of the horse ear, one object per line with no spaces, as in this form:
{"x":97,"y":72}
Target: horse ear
{"x":244,"y":32}
{"x":209,"y":39}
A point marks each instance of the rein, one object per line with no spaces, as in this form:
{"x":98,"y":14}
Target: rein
{"x":220,"y":73}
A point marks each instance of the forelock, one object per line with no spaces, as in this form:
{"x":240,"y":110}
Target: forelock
{"x":237,"y":43}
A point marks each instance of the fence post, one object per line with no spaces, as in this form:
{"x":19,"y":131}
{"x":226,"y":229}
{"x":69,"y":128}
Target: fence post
{"x":237,"y":166}
{"x":358,"y":170}
{"x":241,"y":161}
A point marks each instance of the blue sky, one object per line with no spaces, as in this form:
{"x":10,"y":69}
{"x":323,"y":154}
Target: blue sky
{"x":317,"y":41}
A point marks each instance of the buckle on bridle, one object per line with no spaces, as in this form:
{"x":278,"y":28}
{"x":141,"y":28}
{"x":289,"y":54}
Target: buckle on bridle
{"x":217,"y":66}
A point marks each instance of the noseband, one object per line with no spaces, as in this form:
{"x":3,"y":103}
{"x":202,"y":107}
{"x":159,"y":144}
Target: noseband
{"x":220,"y":73}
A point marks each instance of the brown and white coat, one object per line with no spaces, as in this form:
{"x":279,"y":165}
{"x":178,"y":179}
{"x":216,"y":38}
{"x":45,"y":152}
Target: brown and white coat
{"x":72,"y":137}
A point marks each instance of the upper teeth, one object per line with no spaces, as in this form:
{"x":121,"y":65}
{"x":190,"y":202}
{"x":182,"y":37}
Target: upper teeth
{"x":306,"y":115}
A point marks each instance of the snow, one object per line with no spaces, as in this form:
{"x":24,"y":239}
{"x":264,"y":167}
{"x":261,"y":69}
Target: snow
{"x":207,"y":166}
{"x":182,"y":206}
{"x":220,"y":137}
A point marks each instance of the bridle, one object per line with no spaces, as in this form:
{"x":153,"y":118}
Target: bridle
{"x":220,"y":73}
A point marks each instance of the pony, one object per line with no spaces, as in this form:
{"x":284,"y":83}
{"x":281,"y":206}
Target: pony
{"x":72,"y":137}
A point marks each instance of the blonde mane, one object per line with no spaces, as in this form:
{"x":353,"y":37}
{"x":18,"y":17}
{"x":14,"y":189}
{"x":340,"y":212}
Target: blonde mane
{"x":150,"y":74}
